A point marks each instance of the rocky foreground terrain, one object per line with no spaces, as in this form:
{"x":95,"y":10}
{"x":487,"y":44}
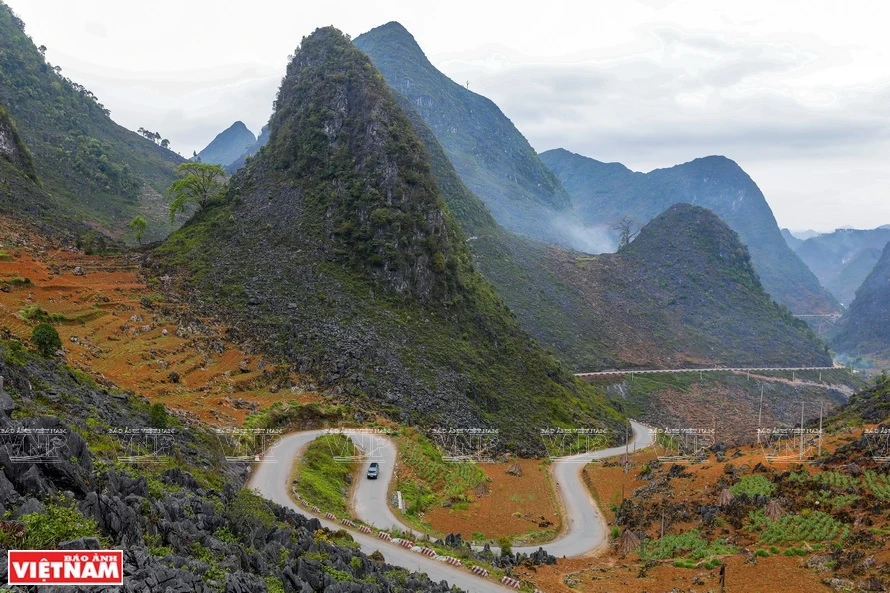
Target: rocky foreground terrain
{"x":183,"y":519}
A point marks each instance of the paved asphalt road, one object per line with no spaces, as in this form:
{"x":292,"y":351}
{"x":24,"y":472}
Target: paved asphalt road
{"x":585,"y":532}
{"x":710,"y":370}
{"x":273,"y":481}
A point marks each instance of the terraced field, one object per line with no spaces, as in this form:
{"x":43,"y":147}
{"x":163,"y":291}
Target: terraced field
{"x":120,"y":327}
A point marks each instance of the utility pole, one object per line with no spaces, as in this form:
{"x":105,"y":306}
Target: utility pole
{"x":801,"y":431}
{"x":821,"y":404}
{"x":662,"y":524}
{"x":626,"y":447}
{"x":760,"y":414}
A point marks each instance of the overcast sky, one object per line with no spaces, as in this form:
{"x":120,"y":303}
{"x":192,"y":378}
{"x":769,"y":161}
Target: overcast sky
{"x":798,"y":93}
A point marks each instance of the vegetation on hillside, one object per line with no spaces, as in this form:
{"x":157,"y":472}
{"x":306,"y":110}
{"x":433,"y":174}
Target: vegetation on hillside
{"x":490,"y":154}
{"x":604,"y":193}
{"x":429,"y":480}
{"x":863,"y":329}
{"x":373,"y":287}
{"x":22,"y":194}
{"x":321,"y":479}
{"x":685,"y":291}
{"x":99,"y":170}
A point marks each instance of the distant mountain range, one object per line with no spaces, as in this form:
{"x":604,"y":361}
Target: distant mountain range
{"x":100,"y":172}
{"x":373,"y":288}
{"x":610,"y":192}
{"x":842,"y":259}
{"x":261,"y":141}
{"x":228,"y":145}
{"x":537,"y":280}
{"x":492,"y":157}
{"x":792,"y":240}
{"x":864,"y":327}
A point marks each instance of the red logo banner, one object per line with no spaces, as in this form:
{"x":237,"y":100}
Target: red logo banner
{"x":65,"y":567}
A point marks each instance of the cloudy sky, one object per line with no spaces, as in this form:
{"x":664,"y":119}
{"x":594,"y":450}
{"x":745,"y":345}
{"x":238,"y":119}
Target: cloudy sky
{"x":797,"y":92}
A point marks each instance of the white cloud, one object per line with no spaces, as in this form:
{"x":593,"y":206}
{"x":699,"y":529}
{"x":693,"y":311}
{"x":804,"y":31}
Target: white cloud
{"x":797,"y":92}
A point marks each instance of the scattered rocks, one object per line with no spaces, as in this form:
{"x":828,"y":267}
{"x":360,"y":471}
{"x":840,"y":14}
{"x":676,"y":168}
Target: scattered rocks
{"x":870,"y":584}
{"x":82,"y":543}
{"x":818,"y":562}
{"x":77,"y":271}
{"x":839,"y":584}
{"x":515,"y":469}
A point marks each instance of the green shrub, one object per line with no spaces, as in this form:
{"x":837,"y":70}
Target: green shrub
{"x":321,"y":479}
{"x":690,"y":544}
{"x":249,"y":513}
{"x":814,"y":526}
{"x":506,"y":545}
{"x":157,"y":414}
{"x":274,"y":585}
{"x":37,"y":313}
{"x":46,"y":339}
{"x":753,"y":485}
{"x":225,"y":535}
{"x":45,"y":531}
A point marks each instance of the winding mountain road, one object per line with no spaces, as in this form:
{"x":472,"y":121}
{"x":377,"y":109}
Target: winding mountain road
{"x":708,"y":370}
{"x":585,"y":530}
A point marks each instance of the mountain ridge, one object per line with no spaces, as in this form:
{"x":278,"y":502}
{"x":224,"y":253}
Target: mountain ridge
{"x":228,"y":145}
{"x":863,"y":328}
{"x":842,"y":259}
{"x":342,"y":199}
{"x":565,"y":311}
{"x":94,"y":167}
{"x":608,"y":192}
{"x":492,"y":157}
{"x":688,"y":280}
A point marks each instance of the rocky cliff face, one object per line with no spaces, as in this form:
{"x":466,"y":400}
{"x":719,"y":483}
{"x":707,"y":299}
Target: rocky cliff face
{"x":183,"y":521}
{"x":336,"y":249}
{"x":491,"y":156}
{"x":13,"y":148}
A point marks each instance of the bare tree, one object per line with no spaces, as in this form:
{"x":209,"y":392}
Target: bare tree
{"x":627,"y":231}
